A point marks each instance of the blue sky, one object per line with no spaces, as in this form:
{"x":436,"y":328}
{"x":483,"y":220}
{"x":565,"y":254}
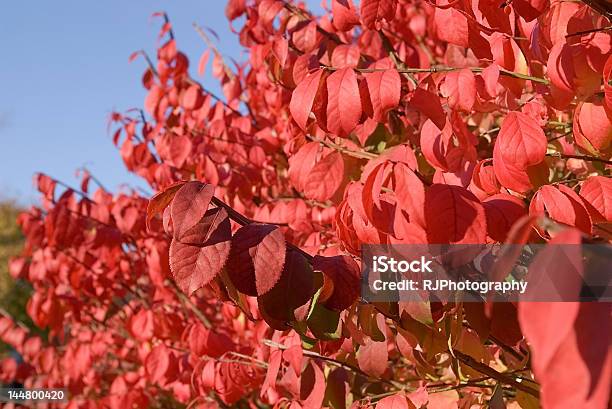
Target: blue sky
{"x":65,"y":68}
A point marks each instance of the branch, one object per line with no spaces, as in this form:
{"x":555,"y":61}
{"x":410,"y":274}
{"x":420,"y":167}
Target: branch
{"x":502,"y":71}
{"x":342,"y":149}
{"x":399,"y":64}
{"x":593,"y":30}
{"x":587,"y":158}
{"x":304,"y":16}
{"x":501,"y":377}
{"x":187,"y":301}
{"x":333,"y":361}
{"x":243,"y":221}
{"x":603,"y":7}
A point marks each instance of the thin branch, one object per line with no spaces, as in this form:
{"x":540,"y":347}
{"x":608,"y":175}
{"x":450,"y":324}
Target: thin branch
{"x":593,"y":30}
{"x":501,"y":377}
{"x":95,"y":179}
{"x":502,"y":71}
{"x":342,"y":149}
{"x":6,"y":314}
{"x":304,"y":16}
{"x":243,"y":221}
{"x":583,"y":157}
{"x":333,"y":361}
{"x":397,"y":61}
{"x":187,"y":301}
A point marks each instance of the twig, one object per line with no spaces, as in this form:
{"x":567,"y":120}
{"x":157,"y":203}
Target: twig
{"x":304,"y":16}
{"x":507,"y":348}
{"x":333,"y":361}
{"x":593,"y":30}
{"x":243,"y":221}
{"x":502,"y":71}
{"x":16,"y":322}
{"x":349,"y":152}
{"x":95,"y":179}
{"x":501,"y":377}
{"x":186,"y":301}
{"x":399,"y":64}
{"x":587,"y":158}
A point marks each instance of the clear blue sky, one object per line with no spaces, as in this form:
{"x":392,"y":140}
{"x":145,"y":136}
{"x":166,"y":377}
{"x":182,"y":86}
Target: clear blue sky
{"x":65,"y":68}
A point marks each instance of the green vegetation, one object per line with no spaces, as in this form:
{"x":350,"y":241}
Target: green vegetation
{"x":13,"y":293}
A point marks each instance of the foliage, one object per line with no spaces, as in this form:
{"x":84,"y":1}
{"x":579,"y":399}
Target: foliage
{"x":387,"y":122}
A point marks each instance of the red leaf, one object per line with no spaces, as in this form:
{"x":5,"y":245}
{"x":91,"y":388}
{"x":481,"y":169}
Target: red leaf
{"x":546,"y":324}
{"x":189,"y":206}
{"x":346,"y":276}
{"x":303,"y":96}
{"x":202,"y":253}
{"x":429,"y":105}
{"x":460,"y":89}
{"x":292,"y":291}
{"x":344,"y":102}
{"x":451,"y":26}
{"x":312,"y":386}
{"x":203,"y":62}
{"x":141,"y":325}
{"x":530,"y":9}
{"x":597,"y":191}
{"x":344,"y":15}
{"x":192,"y":99}
{"x":439,"y":148}
{"x":345,"y":56}
{"x":568,"y":334}
{"x":161,"y":200}
{"x":384,"y":89}
{"x":518,"y":154}
{"x":521,"y":141}
{"x":274,"y":363}
{"x":502,"y":211}
{"x":179,"y":150}
{"x":301,"y":163}
{"x":569,"y":71}
{"x":203,"y":341}
{"x":325,"y":177}
{"x":561,"y":206}
{"x":157,"y":363}
{"x":586,"y":350}
{"x":410,"y":193}
{"x":372,"y":358}
{"x":256,"y":258}
{"x":373,"y":11}
{"x":443,"y":400}
{"x":294,"y":355}
{"x":592,"y":127}
{"x":454,"y":215}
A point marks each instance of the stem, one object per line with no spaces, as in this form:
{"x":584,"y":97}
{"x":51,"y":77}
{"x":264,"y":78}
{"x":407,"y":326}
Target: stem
{"x":587,"y":158}
{"x":6,"y":314}
{"x":243,"y":221}
{"x":342,"y":149}
{"x":507,"y":348}
{"x":501,"y":377}
{"x":333,"y":361}
{"x":502,"y":71}
{"x":399,"y":64}
{"x":593,"y":30}
{"x":187,"y":301}
{"x":304,"y":16}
